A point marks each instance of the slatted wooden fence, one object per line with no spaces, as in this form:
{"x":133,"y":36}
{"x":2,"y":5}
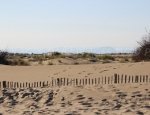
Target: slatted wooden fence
{"x":58,"y":82}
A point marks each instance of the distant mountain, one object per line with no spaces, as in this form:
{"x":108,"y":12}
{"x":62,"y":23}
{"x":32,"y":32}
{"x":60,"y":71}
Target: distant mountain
{"x":98,"y":50}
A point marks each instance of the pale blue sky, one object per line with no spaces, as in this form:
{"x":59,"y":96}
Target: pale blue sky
{"x":46,"y":24}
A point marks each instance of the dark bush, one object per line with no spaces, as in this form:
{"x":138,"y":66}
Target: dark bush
{"x":3,"y":57}
{"x":93,"y":60}
{"x":143,"y":51}
{"x":56,"y":54}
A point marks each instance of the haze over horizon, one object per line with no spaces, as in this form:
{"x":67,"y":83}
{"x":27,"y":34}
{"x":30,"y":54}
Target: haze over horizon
{"x":46,"y":25}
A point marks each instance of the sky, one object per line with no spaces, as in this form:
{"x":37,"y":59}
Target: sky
{"x":48,"y":24}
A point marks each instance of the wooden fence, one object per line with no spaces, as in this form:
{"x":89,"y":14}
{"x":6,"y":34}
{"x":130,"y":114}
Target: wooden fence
{"x":58,"y":82}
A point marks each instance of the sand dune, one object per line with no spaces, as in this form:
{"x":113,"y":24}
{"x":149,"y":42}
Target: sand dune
{"x":107,"y":99}
{"x":32,"y":73}
{"x":119,"y":99}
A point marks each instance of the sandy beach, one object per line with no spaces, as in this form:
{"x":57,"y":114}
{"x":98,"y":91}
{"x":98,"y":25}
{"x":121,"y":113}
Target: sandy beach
{"x":75,"y":57}
{"x":45,"y":72}
{"x":114,"y":99}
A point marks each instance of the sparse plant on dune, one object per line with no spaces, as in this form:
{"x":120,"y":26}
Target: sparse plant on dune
{"x":19,"y":62}
{"x":40,"y":62}
{"x":59,"y":61}
{"x":9,"y":59}
{"x":76,"y":63}
{"x":50,"y":63}
{"x":93,"y":60}
{"x":106,"y":57}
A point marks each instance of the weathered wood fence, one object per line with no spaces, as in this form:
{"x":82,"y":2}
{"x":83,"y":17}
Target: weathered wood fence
{"x":57,"y":82}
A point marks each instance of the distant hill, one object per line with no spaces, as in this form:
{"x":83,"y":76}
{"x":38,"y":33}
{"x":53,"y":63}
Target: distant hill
{"x":97,"y":50}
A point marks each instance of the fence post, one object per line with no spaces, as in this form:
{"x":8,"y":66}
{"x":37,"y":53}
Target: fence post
{"x":146,"y":78}
{"x":92,"y":81}
{"x":4,"y":84}
{"x":71,"y":81}
{"x":136,"y":79}
{"x":125,"y":79}
{"x":105,"y":80}
{"x":129,"y":79}
{"x":132,"y":79}
{"x":122,"y":78}
{"x":102,"y":80}
{"x":112,"y":80}
{"x":14,"y":84}
{"x":67,"y":81}
{"x":89,"y":81}
{"x":47,"y":84}
{"x":140,"y":78}
{"x":76,"y":82}
{"x":86,"y":81}
{"x":34,"y":85}
{"x":118,"y":78}
{"x":11,"y":84}
{"x":37,"y":85}
{"x":58,"y":82}
{"x":7,"y":84}
{"x":115,"y":78}
{"x":98,"y":80}
{"x":82,"y":81}
{"x":20,"y":85}
{"x":64,"y":81}
{"x":143,"y":78}
{"x":23,"y":84}
{"x":26,"y":85}
{"x":108,"y":79}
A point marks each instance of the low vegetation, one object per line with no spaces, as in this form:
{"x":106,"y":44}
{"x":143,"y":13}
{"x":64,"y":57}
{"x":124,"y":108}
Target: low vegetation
{"x":56,"y":58}
{"x":9,"y":59}
{"x":143,"y":51}
{"x":106,"y":57}
{"x":3,"y":57}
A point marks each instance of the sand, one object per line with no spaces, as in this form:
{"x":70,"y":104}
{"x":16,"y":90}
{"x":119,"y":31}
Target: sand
{"x":120,"y":99}
{"x":45,"y":72}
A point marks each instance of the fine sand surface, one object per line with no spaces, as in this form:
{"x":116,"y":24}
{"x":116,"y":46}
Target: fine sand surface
{"x":99,"y":100}
{"x":120,"y":99}
{"x":45,"y":72}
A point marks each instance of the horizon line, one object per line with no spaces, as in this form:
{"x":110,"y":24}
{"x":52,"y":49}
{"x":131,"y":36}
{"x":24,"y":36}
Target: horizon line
{"x":97,"y":50}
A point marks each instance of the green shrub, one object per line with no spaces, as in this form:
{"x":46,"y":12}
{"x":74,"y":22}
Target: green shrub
{"x":86,"y":55}
{"x":106,"y":57}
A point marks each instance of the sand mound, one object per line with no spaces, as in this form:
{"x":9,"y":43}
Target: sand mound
{"x":89,"y":100}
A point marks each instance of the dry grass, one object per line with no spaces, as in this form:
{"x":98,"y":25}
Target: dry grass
{"x":57,"y":58}
{"x":143,"y":51}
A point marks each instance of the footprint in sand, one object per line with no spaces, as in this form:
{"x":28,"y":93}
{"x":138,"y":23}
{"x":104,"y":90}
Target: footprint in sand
{"x":80,"y":97}
{"x":103,"y":71}
{"x":139,"y":113}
